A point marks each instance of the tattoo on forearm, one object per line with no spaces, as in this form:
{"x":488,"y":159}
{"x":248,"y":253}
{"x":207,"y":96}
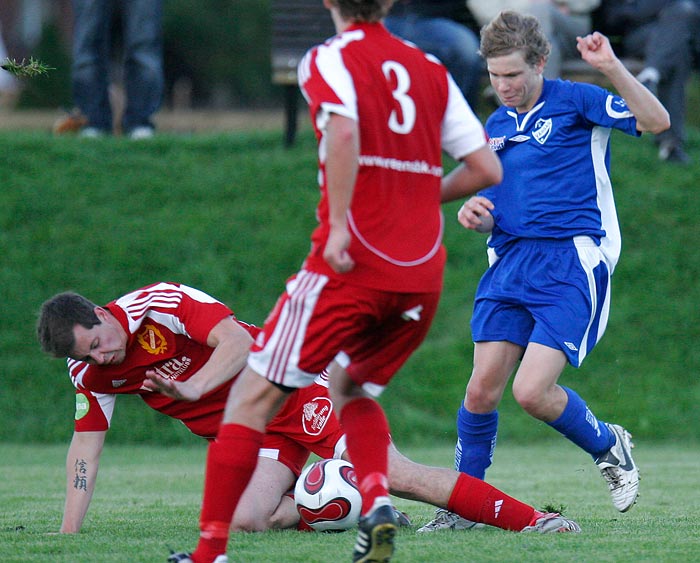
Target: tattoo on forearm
{"x":80,"y":481}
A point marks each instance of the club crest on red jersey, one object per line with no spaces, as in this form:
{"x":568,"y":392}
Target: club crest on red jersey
{"x":152,"y":340}
{"x":316,"y":414}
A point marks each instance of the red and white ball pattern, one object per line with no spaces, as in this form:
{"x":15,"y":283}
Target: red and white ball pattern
{"x":327,"y":497}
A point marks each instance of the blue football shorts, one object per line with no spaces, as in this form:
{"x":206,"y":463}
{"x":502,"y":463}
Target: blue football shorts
{"x":553,"y":292}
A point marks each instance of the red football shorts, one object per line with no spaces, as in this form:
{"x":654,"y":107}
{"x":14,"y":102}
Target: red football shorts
{"x":371,"y":332}
{"x":305,"y":423}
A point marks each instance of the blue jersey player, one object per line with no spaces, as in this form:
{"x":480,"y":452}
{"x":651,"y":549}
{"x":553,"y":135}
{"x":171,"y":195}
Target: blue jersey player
{"x":554,"y":243}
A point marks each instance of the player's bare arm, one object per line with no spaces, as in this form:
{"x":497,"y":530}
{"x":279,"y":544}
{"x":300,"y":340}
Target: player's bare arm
{"x":478,"y":170}
{"x":82,"y":463}
{"x":475,"y":214}
{"x":651,"y":115}
{"x":231,"y":343}
{"x":343,"y":151}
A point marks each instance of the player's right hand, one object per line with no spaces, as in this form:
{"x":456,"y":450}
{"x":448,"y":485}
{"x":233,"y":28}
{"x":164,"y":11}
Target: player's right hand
{"x":178,"y":390}
{"x":336,"y":253}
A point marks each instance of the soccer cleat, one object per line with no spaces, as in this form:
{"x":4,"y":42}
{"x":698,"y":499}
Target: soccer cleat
{"x":375,"y":535}
{"x":446,"y":520}
{"x":551,"y":522}
{"x":619,"y":470}
{"x":180,"y":557}
{"x":184,"y":557}
{"x":402,"y":518}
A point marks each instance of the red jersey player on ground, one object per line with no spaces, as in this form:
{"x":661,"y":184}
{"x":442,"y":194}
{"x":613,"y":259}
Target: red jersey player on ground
{"x":382,"y":111}
{"x":175,"y":331}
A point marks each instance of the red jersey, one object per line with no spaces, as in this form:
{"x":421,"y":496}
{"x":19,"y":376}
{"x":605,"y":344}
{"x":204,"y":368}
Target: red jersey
{"x":168,"y":325}
{"x":408,"y":110}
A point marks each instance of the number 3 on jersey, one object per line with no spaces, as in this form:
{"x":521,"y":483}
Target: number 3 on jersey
{"x":408,"y":106}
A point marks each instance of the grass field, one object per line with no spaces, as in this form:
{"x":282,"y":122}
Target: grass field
{"x":147,"y":500}
{"x":231,"y":214}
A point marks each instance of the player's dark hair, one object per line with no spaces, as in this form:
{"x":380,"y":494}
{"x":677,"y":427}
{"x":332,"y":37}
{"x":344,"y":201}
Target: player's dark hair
{"x":509,"y":32}
{"x":57,"y":319}
{"x":363,"y":10}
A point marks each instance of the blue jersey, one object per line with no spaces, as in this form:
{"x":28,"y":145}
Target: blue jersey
{"x":556,"y":159}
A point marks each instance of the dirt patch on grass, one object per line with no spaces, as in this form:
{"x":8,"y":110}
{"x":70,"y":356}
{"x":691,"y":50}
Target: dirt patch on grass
{"x":194,"y":121}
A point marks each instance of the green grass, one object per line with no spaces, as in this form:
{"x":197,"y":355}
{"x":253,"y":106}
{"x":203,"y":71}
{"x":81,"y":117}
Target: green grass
{"x":147,"y":499}
{"x":232,"y":213}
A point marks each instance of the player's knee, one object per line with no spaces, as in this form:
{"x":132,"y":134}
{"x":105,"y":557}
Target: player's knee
{"x":482,"y":398}
{"x":249,"y":523}
{"x":531,"y":399}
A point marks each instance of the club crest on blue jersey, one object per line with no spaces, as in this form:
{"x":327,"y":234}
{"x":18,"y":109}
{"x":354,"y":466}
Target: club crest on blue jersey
{"x":542,"y":129}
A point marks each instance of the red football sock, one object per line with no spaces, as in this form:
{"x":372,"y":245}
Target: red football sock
{"x":231,"y":460}
{"x":367,"y":432}
{"x":478,"y":501}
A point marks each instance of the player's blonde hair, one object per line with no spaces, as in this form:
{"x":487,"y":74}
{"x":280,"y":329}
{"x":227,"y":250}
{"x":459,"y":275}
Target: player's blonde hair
{"x":511,"y":31}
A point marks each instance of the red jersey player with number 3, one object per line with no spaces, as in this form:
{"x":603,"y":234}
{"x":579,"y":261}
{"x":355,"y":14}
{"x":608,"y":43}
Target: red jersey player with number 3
{"x":383,"y":111}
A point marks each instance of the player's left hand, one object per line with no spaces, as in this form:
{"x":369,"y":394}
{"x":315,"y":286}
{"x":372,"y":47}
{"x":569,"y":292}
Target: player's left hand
{"x":179,"y":390}
{"x":336,"y":251}
{"x":595,"y":49}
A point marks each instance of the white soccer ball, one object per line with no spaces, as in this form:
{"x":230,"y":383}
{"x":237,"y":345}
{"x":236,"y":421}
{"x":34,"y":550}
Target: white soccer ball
{"x":327,"y":497}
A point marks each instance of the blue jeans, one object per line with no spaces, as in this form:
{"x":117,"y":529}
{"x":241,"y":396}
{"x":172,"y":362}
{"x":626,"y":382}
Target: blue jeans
{"x":454,"y":44}
{"x":142,"y":61}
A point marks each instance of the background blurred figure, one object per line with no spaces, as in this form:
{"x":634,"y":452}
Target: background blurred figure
{"x":141,"y":32}
{"x":8,"y":84}
{"x":666,"y":35}
{"x":561,"y":20}
{"x":441,"y":28}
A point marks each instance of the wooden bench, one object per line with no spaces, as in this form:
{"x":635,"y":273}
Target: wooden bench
{"x":577,"y":69}
{"x":297,"y":25}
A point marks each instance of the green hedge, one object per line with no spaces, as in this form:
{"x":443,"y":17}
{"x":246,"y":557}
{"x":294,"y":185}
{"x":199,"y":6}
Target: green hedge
{"x":232,"y":214}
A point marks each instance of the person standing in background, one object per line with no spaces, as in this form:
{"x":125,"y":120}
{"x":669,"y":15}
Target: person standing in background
{"x":9,"y":88}
{"x":441,"y":28}
{"x":665,"y":34}
{"x":142,"y":64}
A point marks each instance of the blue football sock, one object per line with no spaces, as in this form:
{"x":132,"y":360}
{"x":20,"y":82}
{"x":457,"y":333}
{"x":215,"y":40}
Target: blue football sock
{"x":476,"y":440}
{"x":580,"y":426}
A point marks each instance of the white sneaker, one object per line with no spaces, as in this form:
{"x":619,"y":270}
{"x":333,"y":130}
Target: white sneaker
{"x":138,"y":133}
{"x":619,"y":470}
{"x":552,"y":522}
{"x":91,"y":133}
{"x":446,"y":520}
